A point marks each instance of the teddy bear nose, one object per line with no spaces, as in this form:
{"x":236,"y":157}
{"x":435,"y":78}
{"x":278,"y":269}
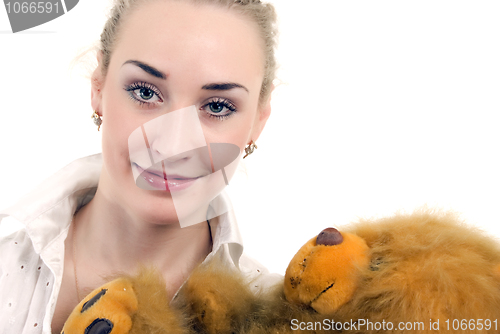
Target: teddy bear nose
{"x":329,"y":237}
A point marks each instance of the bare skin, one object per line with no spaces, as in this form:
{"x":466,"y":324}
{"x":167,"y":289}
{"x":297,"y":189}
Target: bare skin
{"x":124,"y":226}
{"x":92,"y":263}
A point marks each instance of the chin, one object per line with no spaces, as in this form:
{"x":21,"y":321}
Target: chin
{"x":155,"y":207}
{"x":161,"y":211}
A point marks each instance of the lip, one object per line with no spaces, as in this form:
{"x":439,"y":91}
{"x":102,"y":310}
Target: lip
{"x":161,"y":181}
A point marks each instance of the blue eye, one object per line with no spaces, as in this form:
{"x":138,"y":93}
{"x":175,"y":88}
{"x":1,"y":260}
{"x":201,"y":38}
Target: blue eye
{"x":216,"y":107}
{"x":219,"y":108}
{"x":144,"y":93}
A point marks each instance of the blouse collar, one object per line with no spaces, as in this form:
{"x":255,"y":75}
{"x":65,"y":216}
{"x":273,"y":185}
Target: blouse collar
{"x":46,"y":212}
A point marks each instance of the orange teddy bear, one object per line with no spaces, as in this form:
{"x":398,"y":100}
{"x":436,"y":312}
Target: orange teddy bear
{"x":425,"y":273}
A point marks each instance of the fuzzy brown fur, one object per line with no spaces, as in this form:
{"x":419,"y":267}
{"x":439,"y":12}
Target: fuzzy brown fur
{"x":423,"y":268}
{"x":219,"y":298}
{"x":420,"y":269}
{"x":154,"y":315}
{"x":222,"y":303}
{"x":426,"y":267}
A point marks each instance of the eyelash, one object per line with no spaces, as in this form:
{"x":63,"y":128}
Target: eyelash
{"x":226,"y":103}
{"x":142,"y":85}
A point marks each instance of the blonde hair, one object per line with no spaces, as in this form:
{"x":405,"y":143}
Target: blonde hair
{"x":263,"y":14}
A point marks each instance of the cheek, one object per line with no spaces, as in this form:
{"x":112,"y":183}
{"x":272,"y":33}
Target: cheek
{"x":117,"y":127}
{"x":237,"y":135}
{"x":235,"y":130}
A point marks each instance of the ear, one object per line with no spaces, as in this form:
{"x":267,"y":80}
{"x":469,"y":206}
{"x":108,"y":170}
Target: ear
{"x":97,"y":84}
{"x":263,"y":113}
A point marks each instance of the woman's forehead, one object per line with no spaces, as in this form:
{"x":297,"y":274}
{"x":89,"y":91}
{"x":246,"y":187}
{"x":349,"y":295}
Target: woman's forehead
{"x":182,"y":37}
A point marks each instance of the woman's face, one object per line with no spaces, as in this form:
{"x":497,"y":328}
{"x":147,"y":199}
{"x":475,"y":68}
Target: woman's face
{"x":169,"y":56}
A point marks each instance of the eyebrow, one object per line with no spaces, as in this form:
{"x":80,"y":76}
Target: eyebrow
{"x":223,"y":86}
{"x":159,"y":74}
{"x":147,"y":68}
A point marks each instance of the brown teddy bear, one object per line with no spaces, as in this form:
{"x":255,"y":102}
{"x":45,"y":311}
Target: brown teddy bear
{"x":424,"y":273}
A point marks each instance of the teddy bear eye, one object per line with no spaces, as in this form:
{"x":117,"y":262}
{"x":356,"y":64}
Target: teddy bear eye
{"x":99,"y":326}
{"x":93,"y":300}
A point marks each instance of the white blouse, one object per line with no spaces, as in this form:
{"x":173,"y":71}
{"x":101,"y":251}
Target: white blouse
{"x":32,"y":252}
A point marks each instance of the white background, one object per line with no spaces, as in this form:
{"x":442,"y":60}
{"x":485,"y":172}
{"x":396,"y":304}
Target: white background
{"x":382,"y":106}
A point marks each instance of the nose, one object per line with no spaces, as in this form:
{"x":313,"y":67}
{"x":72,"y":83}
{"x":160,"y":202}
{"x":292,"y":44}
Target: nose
{"x":329,"y":237}
{"x":174,"y":135}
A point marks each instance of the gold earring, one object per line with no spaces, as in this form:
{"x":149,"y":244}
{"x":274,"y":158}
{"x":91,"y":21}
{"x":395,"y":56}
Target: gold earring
{"x":249,"y":149}
{"x":97,"y":119}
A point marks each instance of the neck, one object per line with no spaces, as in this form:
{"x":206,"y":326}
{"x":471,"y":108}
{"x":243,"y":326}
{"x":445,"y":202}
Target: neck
{"x":111,"y":241}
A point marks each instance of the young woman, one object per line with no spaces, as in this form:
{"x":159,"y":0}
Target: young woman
{"x":212,"y":59}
